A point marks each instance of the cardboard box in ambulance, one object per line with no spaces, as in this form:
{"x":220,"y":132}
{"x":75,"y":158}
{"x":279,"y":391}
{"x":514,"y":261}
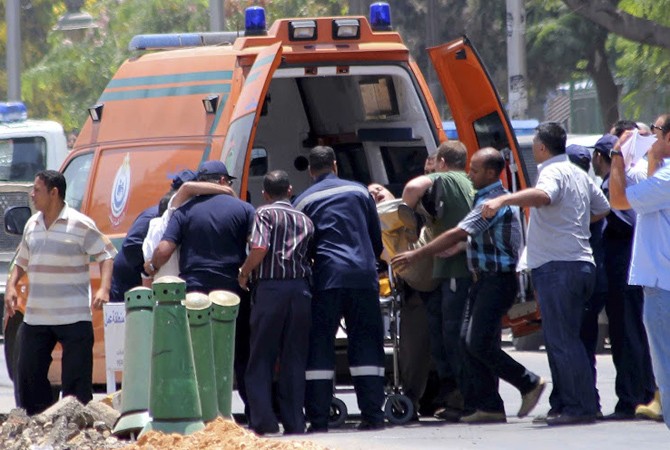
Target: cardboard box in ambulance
{"x":260,"y":102}
{"x":26,"y":147}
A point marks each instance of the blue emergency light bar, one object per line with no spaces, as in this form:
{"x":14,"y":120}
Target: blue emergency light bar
{"x":177,"y":40}
{"x":380,"y":16}
{"x":254,"y":21}
{"x":13,"y":112}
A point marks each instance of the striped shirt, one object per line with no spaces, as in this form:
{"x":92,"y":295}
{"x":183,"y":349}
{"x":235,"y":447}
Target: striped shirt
{"x":287,"y":234}
{"x":493,"y":244}
{"x":56,"y":260}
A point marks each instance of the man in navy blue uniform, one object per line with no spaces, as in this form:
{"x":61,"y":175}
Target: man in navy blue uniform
{"x":128,"y":263}
{"x":347,"y":244}
{"x":212,"y":231}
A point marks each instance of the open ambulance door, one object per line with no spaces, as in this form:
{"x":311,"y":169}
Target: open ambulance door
{"x":246,"y":114}
{"x":478,"y":113}
{"x":481,"y":122}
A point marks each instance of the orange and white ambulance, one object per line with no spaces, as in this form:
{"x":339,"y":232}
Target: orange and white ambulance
{"x":260,"y":102}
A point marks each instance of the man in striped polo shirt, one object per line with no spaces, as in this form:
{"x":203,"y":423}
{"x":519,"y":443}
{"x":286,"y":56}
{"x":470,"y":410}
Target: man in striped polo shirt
{"x":55,"y":252}
{"x":281,"y":308}
{"x":492,"y":253}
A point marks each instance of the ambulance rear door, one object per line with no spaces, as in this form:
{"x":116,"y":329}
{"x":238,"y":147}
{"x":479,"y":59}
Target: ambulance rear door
{"x":246,"y":114}
{"x":478,"y":113}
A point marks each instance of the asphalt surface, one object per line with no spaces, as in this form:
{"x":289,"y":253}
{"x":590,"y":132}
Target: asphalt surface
{"x":517,"y":434}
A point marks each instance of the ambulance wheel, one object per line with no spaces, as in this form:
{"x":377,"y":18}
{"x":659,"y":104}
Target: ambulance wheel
{"x":399,"y":409}
{"x":338,"y":413}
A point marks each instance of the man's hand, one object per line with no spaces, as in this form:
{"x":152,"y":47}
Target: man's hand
{"x":101,"y":297}
{"x":243,"y":280}
{"x":491,"y":207}
{"x":149,"y":268}
{"x":11,"y":300}
{"x":403,"y":260}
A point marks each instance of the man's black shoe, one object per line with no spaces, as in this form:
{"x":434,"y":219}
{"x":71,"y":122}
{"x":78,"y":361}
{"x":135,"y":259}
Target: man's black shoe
{"x":369,"y":426}
{"x":317,"y":429}
{"x":449,"y":414}
{"x":619,"y":415}
{"x":565,"y":419}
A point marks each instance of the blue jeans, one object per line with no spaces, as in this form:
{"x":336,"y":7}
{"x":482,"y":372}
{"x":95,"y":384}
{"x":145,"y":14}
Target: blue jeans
{"x":657,"y":321}
{"x":562,"y":288}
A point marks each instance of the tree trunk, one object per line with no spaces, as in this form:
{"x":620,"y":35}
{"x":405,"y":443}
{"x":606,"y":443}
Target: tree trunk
{"x":608,"y":93}
{"x":606,"y":14}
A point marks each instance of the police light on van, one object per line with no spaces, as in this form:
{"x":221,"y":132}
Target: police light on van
{"x":13,"y":112}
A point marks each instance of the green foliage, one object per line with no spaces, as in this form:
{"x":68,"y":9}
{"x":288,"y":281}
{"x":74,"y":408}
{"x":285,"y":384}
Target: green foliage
{"x":645,"y":69}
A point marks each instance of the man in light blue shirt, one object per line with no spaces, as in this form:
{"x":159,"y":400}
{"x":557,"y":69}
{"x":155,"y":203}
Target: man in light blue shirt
{"x":651,"y":246}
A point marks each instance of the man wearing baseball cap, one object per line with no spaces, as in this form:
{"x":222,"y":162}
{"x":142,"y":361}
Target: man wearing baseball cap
{"x":212,"y":231}
{"x":635,"y":382}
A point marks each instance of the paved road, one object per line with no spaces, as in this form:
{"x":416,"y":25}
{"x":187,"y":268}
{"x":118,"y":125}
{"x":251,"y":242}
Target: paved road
{"x":517,"y":434}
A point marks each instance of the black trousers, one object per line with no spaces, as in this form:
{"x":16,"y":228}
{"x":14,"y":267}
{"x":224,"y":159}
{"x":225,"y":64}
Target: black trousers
{"x":36,"y":342}
{"x":280,"y":322}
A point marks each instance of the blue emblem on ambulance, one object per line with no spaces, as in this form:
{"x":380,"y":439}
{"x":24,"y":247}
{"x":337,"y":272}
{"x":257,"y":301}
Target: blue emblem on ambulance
{"x":120,"y":192}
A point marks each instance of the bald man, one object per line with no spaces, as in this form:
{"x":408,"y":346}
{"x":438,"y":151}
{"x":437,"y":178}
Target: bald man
{"x":492,"y":254}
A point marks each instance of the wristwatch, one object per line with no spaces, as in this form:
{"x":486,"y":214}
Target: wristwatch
{"x":615,"y":152}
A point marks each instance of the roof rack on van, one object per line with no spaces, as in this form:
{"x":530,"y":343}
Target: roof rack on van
{"x":172,"y":40}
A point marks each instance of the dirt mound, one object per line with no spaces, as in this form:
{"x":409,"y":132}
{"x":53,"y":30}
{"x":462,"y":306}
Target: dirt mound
{"x":218,"y":435}
{"x":69,"y":425}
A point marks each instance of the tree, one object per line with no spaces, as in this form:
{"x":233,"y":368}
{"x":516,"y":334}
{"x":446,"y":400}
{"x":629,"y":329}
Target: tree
{"x":606,"y":14}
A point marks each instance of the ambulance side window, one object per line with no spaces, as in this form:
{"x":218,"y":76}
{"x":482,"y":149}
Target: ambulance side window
{"x":259,"y":162}
{"x":490,"y":132}
{"x":76,"y":176}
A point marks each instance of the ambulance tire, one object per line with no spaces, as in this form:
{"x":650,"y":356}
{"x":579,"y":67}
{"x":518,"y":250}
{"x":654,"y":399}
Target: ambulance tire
{"x":338,"y":413}
{"x":11,"y":342}
{"x":399,"y":409}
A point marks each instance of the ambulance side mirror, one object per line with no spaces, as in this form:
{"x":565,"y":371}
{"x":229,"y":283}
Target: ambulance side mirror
{"x":16,"y":218}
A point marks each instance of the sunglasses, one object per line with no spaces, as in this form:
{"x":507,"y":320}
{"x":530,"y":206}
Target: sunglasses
{"x":653,"y":127}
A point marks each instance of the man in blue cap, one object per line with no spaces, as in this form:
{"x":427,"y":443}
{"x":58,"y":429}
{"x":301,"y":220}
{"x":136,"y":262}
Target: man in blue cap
{"x":128,"y":264}
{"x":212,"y":231}
{"x":635,"y":382}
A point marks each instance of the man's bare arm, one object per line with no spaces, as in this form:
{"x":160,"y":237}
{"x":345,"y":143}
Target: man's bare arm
{"x":190,"y":189}
{"x":414,"y":190}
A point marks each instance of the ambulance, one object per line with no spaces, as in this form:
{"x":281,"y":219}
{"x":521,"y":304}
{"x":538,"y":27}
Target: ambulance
{"x":260,"y":101}
{"x":26,"y":147}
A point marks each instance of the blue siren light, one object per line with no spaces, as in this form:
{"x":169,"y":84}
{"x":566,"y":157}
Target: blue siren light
{"x":380,"y":16}
{"x":254,"y":21}
{"x":13,"y":112}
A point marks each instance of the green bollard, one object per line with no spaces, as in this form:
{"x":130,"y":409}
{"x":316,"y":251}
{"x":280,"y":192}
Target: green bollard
{"x":199,"y":312}
{"x":136,"y":356}
{"x":225,"y":306}
{"x":174,"y":403}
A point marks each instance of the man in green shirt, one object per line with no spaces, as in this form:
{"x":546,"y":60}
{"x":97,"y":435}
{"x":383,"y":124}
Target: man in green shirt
{"x":452,"y":193}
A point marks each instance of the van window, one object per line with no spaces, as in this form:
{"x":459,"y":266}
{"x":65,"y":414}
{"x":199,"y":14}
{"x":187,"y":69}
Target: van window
{"x":402,"y":164}
{"x":378,"y":95}
{"x":351,"y":163}
{"x":76,"y":176}
{"x":259,"y":162}
{"x":22,"y":158}
{"x":490,"y":132}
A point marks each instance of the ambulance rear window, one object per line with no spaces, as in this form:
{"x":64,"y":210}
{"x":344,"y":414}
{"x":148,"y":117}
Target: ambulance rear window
{"x":402,"y":164}
{"x":22,"y":158}
{"x":490,"y":132}
{"x":352,"y":163}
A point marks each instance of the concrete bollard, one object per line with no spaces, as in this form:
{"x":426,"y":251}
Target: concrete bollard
{"x":199,"y":312}
{"x":136,"y":362}
{"x":225,"y":306}
{"x":174,"y":403}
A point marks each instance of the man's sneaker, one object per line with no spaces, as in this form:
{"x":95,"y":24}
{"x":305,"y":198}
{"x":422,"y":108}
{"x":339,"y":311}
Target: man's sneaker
{"x":316,"y":429}
{"x":542,"y":419}
{"x":652,"y":410}
{"x":479,"y":416}
{"x":530,"y":398}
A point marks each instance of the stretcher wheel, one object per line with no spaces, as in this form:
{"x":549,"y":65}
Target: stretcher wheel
{"x":338,"y":413}
{"x":399,"y":409}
